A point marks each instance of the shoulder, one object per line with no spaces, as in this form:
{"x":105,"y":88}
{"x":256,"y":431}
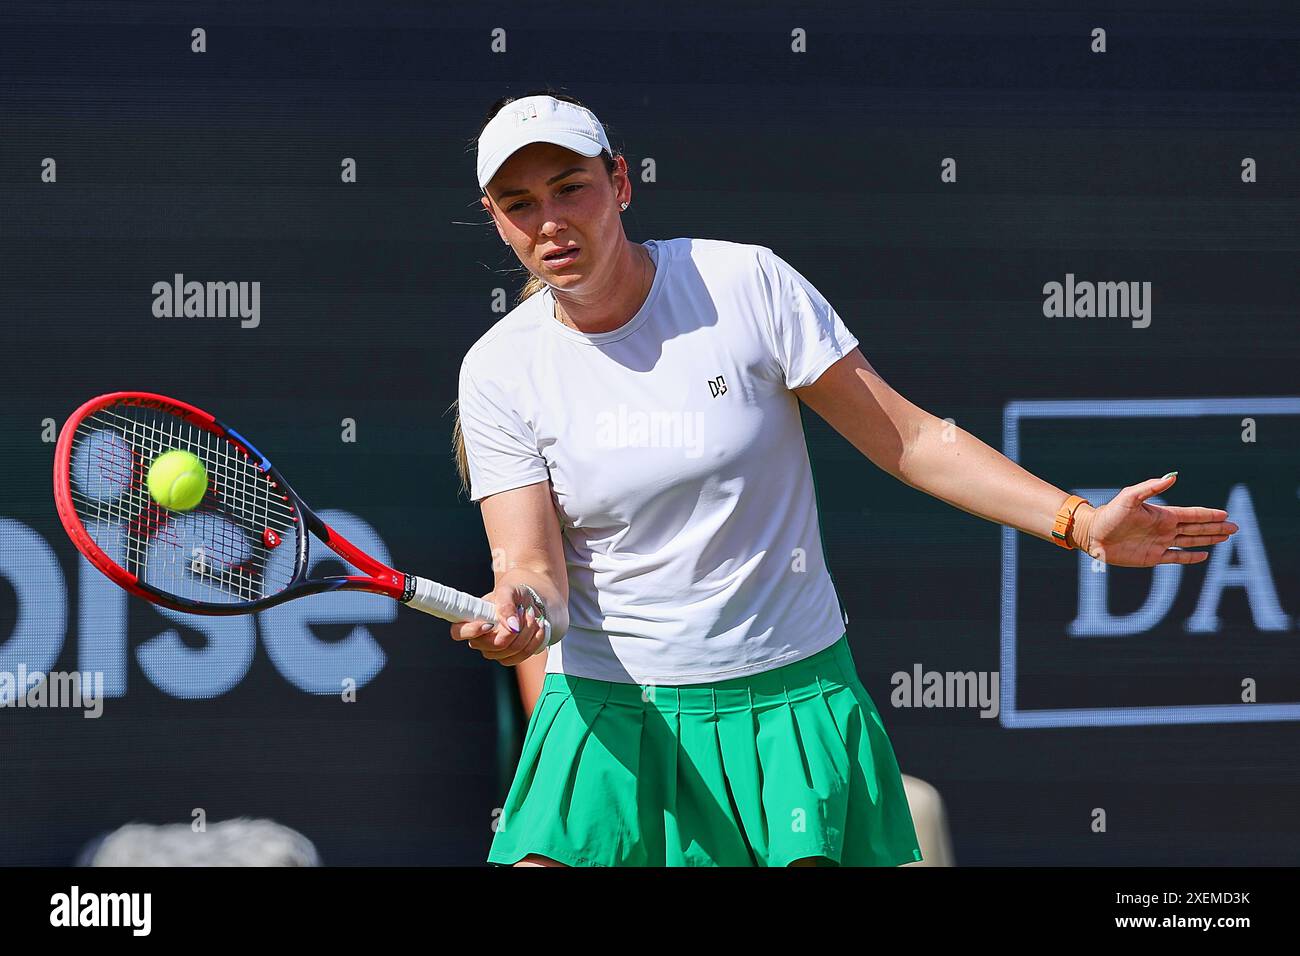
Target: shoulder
{"x":742,"y":257}
{"x":511,"y":336}
{"x":755,"y":268}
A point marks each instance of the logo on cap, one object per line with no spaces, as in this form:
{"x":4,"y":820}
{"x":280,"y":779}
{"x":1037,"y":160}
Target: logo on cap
{"x":524,"y":115}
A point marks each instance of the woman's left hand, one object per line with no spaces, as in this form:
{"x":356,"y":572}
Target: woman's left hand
{"x":1130,"y":533}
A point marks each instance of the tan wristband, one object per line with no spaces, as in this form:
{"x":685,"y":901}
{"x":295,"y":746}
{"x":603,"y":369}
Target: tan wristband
{"x":1065,"y":519}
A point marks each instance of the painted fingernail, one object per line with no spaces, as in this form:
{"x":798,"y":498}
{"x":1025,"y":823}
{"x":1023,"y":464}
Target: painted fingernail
{"x":487,"y":626}
{"x":1170,"y":475}
{"x":513,"y":623}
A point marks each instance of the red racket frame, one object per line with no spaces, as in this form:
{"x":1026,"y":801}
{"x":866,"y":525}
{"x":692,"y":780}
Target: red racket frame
{"x":378,"y":577}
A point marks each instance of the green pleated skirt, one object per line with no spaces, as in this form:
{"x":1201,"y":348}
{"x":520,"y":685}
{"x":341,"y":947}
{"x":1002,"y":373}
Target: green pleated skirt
{"x":762,"y":770}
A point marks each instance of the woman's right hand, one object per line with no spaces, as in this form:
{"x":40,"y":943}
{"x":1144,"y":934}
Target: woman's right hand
{"x":497,"y":640}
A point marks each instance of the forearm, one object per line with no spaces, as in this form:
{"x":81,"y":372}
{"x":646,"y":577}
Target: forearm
{"x":954,"y":466}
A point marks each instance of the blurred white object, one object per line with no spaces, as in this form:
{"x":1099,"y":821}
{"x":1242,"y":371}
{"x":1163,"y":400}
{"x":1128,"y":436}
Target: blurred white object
{"x":239,"y":842}
{"x":931,"y":821}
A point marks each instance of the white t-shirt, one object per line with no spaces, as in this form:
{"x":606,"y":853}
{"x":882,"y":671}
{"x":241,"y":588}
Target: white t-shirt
{"x":677,"y":463}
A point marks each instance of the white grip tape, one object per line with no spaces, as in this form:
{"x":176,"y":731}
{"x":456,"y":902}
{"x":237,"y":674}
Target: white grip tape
{"x":455,"y":606}
{"x":448,"y":603}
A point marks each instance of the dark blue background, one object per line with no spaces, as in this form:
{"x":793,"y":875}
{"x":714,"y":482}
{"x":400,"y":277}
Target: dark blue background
{"x":225,"y":165}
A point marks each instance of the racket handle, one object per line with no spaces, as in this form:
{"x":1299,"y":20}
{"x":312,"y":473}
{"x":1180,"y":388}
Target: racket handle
{"x":447,"y":603}
{"x":455,"y":606}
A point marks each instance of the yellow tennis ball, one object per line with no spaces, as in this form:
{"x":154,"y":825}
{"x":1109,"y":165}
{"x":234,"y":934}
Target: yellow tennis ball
{"x":178,"y":480}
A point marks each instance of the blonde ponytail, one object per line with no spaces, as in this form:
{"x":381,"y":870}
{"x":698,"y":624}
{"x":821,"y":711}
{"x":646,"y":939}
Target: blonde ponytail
{"x":531,"y":287}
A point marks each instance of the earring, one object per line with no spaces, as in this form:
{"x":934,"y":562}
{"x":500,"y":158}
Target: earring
{"x":623,"y":206}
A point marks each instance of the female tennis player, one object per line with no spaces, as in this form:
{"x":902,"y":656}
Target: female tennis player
{"x":632,"y":431}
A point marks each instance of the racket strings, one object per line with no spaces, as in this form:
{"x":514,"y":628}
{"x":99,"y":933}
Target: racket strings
{"x":216,"y":553}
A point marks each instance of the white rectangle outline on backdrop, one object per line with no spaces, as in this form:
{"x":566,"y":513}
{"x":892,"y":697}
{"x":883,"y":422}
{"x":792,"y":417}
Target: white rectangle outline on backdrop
{"x":1008,"y":715}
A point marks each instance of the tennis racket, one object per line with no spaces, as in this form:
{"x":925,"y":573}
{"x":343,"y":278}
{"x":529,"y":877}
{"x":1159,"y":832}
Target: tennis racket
{"x":242,"y":549}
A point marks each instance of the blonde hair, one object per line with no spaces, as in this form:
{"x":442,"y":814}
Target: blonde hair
{"x":532,"y":286}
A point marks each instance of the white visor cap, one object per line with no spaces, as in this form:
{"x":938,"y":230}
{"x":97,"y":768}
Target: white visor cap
{"x":537,"y":119}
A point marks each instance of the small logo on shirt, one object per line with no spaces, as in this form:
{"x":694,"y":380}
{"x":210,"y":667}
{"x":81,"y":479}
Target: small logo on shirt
{"x":717,"y":386}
